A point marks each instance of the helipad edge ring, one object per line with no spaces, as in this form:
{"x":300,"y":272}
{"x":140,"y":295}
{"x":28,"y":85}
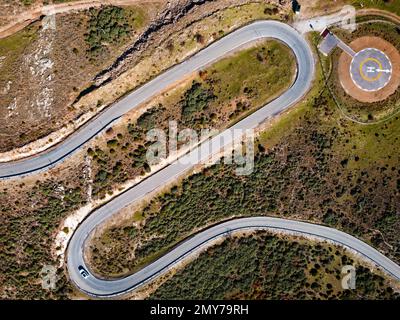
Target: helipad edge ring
{"x":375,"y":62}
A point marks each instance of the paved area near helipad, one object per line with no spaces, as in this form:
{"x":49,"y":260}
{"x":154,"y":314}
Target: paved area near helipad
{"x":370,"y":69}
{"x":358,"y":89}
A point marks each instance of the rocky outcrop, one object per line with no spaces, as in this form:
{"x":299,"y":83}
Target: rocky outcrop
{"x":174,"y":11}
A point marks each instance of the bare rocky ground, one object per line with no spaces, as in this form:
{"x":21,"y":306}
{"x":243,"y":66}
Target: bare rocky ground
{"x":45,"y":67}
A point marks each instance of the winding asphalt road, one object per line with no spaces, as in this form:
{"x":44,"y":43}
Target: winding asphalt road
{"x":108,"y":288}
{"x":75,"y":258}
{"x":305,"y":71}
{"x":234,"y":40}
{"x":252,"y":32}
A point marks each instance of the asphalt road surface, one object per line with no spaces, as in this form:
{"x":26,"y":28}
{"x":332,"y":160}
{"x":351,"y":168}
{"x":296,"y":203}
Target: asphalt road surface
{"x":107,"y":288}
{"x":236,"y":39}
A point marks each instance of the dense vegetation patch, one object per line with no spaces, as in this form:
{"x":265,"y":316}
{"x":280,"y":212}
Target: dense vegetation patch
{"x":109,"y":26}
{"x":195,"y":100}
{"x":26,"y":237}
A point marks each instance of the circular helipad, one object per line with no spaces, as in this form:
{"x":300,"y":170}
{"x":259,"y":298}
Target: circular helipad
{"x":370,"y":69}
{"x":373,"y":73}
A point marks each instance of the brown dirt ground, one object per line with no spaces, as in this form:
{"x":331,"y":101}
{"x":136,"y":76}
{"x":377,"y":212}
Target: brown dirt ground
{"x":344,"y":66}
{"x":36,"y":104}
{"x":313,"y":8}
{"x":18,"y":18}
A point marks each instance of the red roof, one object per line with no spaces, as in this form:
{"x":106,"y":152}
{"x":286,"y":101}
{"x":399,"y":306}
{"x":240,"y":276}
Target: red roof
{"x":325,"y":33}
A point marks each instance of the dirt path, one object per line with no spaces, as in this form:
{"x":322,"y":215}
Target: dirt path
{"x":377,"y":12}
{"x":26,"y":18}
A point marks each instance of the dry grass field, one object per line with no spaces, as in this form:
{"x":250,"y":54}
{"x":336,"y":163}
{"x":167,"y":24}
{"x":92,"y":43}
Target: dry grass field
{"x":43,"y":69}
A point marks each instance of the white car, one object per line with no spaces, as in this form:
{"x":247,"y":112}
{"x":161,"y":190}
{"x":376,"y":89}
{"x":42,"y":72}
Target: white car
{"x":83,"y":272}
